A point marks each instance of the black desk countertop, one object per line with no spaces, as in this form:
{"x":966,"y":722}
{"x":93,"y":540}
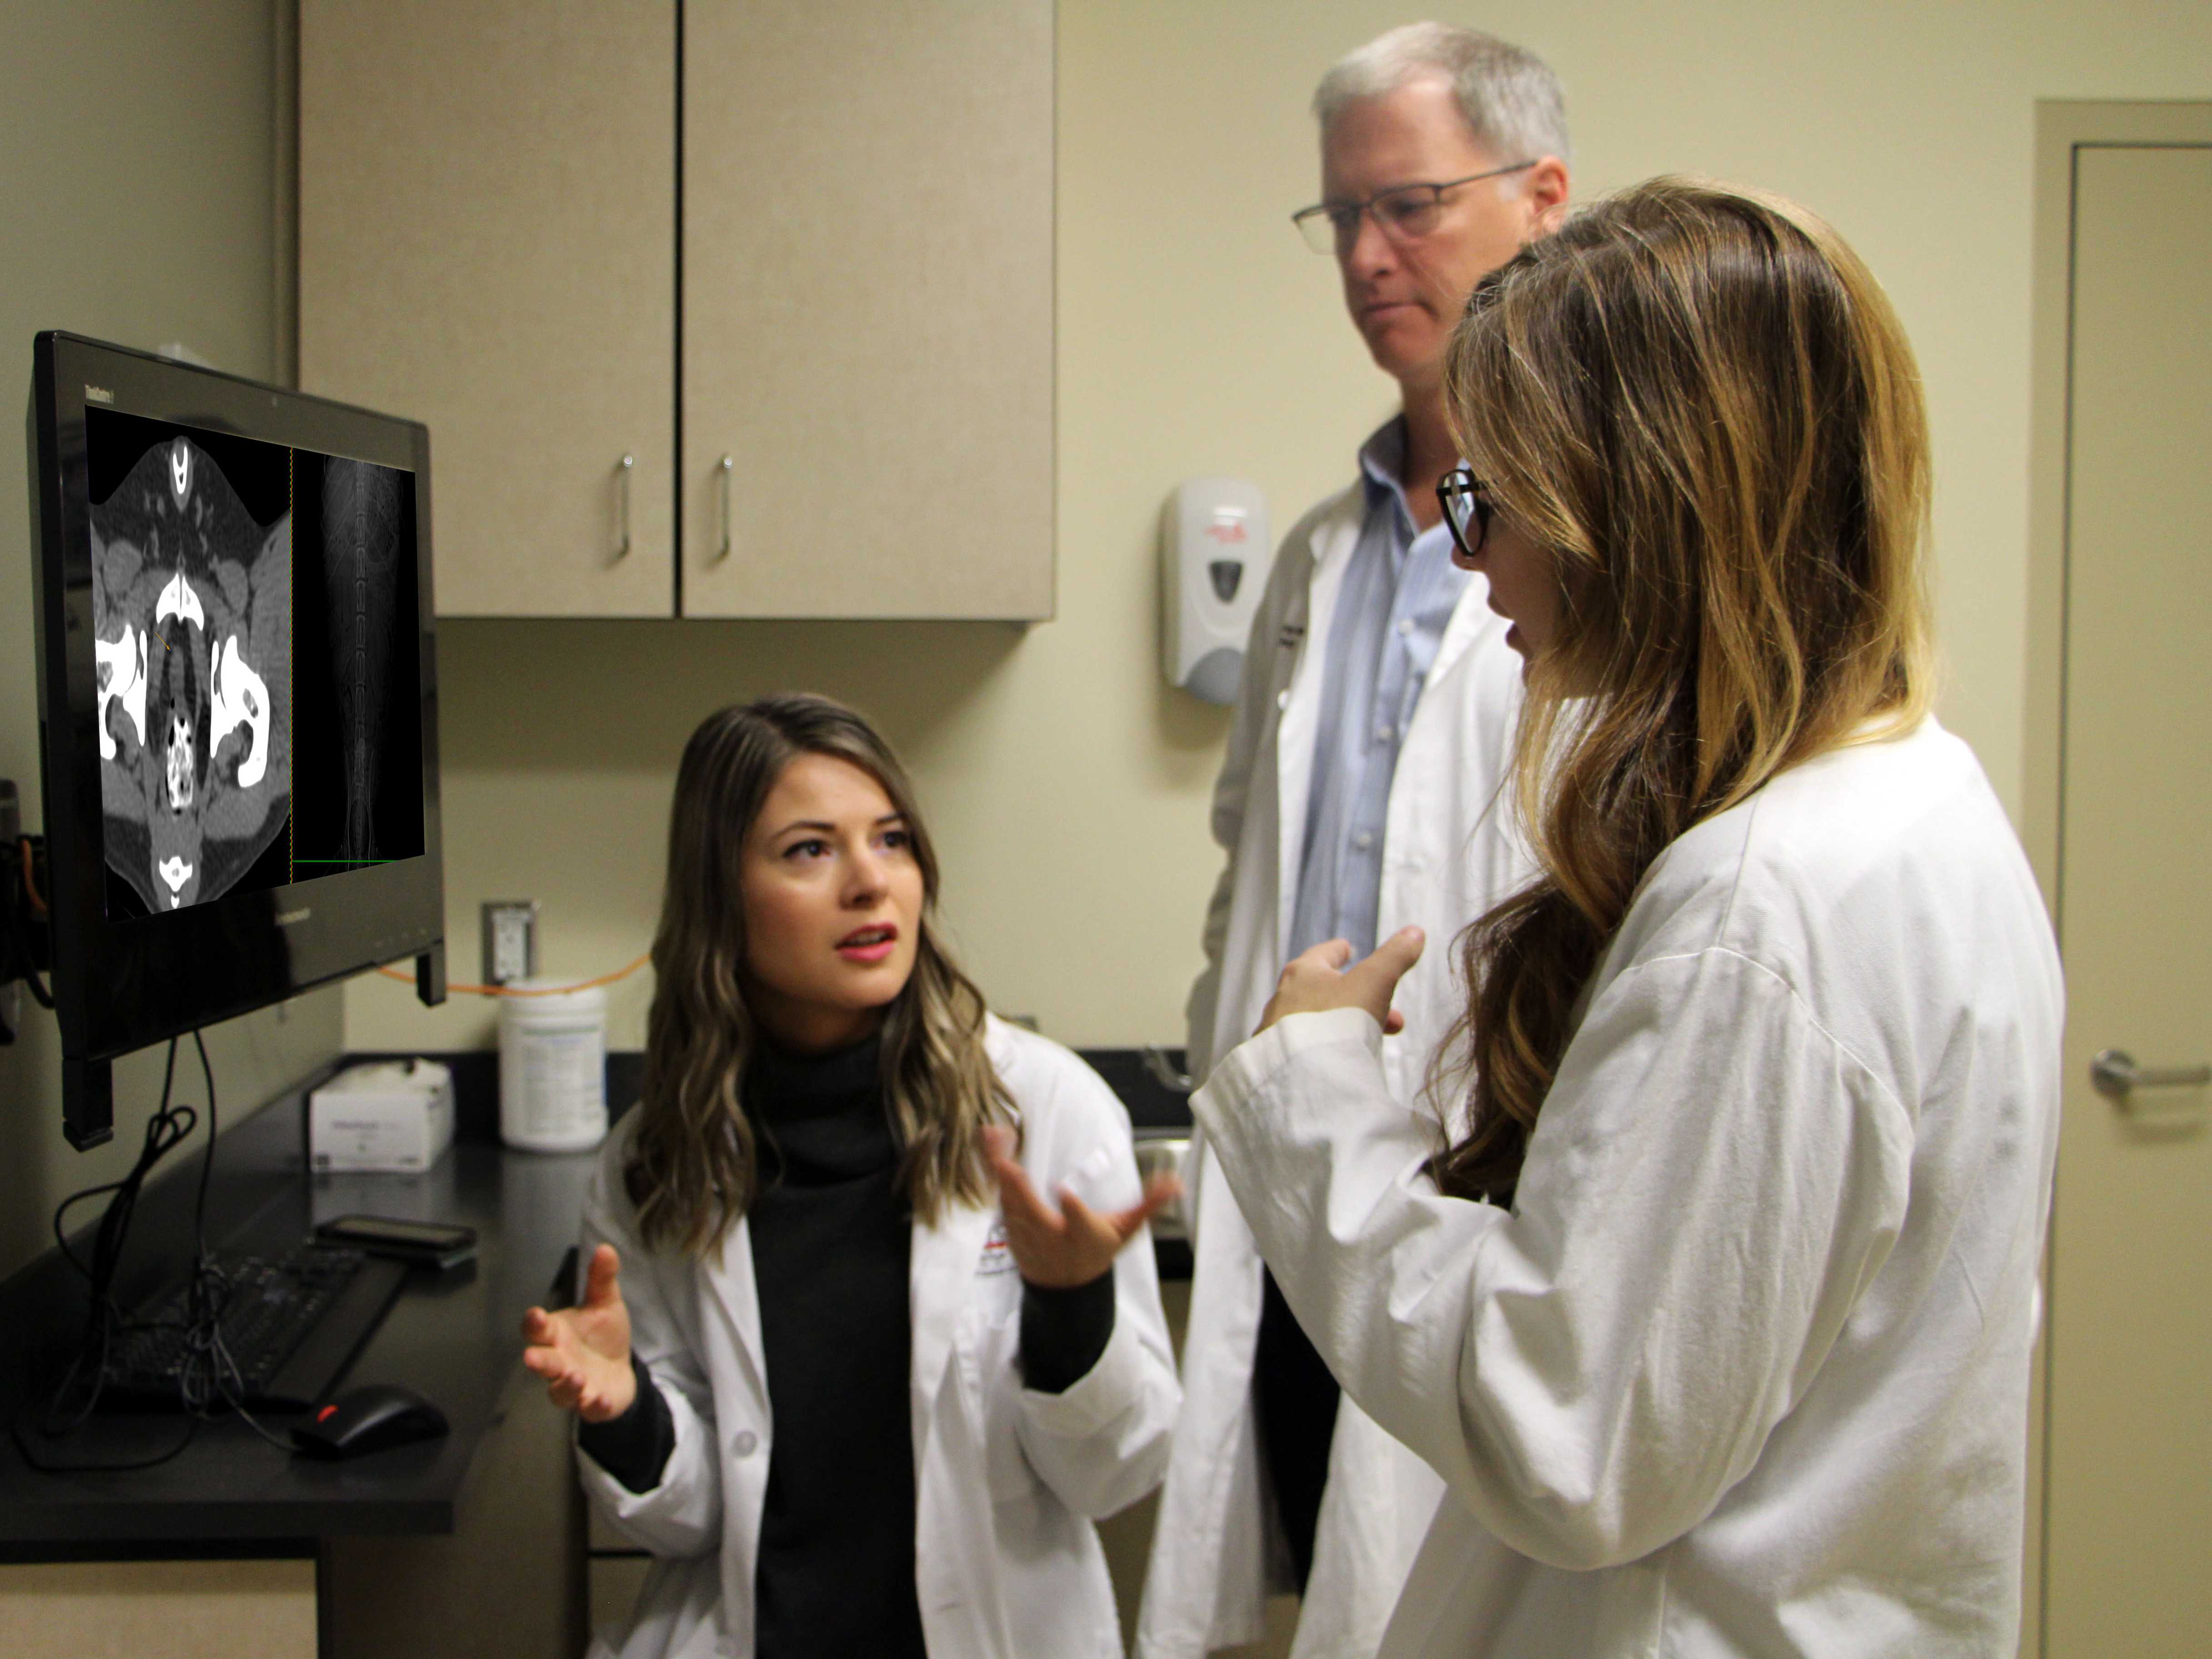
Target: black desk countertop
{"x":454,"y":1336}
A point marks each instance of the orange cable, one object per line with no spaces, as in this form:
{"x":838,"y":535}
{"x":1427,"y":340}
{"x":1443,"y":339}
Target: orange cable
{"x":30,"y":878}
{"x":511,"y":991}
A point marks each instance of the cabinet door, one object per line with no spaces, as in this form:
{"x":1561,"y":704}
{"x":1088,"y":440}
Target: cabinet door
{"x":868,"y":309}
{"x":486,"y":244}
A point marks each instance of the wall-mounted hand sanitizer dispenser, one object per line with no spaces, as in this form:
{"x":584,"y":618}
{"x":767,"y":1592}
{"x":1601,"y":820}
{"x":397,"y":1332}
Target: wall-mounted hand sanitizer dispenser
{"x":1214,"y":550}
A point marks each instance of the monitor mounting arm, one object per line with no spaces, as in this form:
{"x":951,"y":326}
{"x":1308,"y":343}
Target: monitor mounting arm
{"x":26,"y":944}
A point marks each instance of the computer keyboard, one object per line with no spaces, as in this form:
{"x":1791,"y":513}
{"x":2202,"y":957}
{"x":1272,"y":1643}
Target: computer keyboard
{"x":290,"y":1326}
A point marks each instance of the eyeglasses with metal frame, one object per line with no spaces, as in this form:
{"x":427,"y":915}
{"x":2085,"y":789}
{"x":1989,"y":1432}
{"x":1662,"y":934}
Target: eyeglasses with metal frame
{"x":1406,"y":213}
{"x":1465,"y":506}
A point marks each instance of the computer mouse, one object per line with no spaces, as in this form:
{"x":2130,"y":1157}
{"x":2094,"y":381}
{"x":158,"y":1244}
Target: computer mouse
{"x":368,"y":1419}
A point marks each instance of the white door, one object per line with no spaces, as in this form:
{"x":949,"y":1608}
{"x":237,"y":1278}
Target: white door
{"x":2127,"y":1563}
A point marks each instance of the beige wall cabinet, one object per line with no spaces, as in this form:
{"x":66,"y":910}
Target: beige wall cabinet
{"x":486,"y":202}
{"x":868,"y":309}
{"x":489,"y":233}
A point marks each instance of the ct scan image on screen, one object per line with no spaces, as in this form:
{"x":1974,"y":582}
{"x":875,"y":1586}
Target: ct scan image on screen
{"x":259,"y":711}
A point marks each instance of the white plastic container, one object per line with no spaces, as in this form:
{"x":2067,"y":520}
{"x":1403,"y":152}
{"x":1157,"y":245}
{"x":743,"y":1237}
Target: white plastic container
{"x":394,"y":1118}
{"x":553,"y":1068}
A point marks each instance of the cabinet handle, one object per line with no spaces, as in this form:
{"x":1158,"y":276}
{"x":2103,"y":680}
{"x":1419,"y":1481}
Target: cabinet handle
{"x":724,"y":466}
{"x":623,"y":469}
{"x":2116,"y":1075}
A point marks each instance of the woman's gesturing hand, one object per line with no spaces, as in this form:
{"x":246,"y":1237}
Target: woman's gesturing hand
{"x":583,"y":1353}
{"x":1058,"y":1249}
{"x":1318,"y":980}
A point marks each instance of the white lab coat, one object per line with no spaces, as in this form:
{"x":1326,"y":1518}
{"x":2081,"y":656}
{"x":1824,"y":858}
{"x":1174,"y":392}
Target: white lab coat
{"x":1449,"y":855}
{"x":1007,"y":1480}
{"x":1744,"y":1371}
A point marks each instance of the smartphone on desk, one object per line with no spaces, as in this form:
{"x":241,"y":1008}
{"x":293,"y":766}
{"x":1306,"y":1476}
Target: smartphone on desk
{"x":419,"y":1243}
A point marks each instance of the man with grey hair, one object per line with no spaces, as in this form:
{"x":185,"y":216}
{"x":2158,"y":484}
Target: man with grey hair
{"x":1359,"y":793}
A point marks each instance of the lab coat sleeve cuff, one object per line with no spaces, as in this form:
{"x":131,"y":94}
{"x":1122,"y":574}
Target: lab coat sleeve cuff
{"x":622,"y":1502}
{"x":1247,"y":1070}
{"x":1099,"y":1396}
{"x":680,"y":1516}
{"x":633,"y":1447}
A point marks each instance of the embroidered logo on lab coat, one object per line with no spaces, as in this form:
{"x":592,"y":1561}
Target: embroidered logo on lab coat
{"x":996,"y":1258}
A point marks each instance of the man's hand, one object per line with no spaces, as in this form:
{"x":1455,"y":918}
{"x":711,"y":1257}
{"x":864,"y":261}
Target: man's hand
{"x":1318,"y":980}
{"x":1058,"y":1249}
{"x":583,"y":1353}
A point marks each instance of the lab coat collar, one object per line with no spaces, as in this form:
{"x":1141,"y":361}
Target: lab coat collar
{"x":1336,"y":526}
{"x":1334,"y":535}
{"x":1470,"y":619}
{"x":729,"y":1273}
{"x":941,"y":1274}
{"x":1381,"y":459}
{"x":940,"y":1270}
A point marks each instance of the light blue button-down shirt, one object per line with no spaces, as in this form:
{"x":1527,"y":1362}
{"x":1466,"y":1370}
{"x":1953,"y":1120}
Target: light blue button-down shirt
{"x":1398,"y":595}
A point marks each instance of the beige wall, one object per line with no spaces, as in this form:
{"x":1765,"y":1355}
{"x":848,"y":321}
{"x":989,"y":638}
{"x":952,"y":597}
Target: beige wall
{"x":1067,"y":784}
{"x":135,"y":206}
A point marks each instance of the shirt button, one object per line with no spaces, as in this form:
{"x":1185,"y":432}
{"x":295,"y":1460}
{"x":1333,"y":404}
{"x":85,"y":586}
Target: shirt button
{"x":1283,"y":699}
{"x":1363,"y":841}
{"x":746,"y":1443}
{"x":1384,"y":733}
{"x":1405,"y":626}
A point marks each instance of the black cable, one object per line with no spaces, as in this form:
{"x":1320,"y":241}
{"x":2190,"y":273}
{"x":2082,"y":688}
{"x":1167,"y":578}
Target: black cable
{"x":104,"y":1318}
{"x":87,"y":1372}
{"x":19,"y":933}
{"x":211,"y":1376}
{"x":210,"y":1379}
{"x":199,"y":1383}
{"x":29,"y":975}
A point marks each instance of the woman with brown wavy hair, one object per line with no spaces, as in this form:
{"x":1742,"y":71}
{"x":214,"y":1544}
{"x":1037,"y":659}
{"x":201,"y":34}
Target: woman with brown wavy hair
{"x":840,"y":1364}
{"x":1713,"y":1304}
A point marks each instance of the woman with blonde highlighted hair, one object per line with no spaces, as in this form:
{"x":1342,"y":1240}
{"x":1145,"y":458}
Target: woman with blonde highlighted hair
{"x":1711,"y":1290}
{"x":864,"y":1347}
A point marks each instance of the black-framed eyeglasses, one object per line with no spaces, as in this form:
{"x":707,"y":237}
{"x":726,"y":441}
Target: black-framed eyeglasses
{"x":1467,"y":509}
{"x":1406,"y":212}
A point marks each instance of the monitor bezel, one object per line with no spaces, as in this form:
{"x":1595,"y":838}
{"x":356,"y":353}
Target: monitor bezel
{"x":123,"y":985}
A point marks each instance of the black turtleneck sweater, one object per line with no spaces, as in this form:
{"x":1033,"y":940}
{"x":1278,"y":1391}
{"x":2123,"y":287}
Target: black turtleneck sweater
{"x":830,"y":1232}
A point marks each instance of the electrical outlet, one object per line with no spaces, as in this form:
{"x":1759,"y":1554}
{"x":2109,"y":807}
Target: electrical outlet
{"x":510,"y":941}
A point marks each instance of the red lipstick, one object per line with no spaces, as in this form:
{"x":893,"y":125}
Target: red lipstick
{"x":869,"y":944}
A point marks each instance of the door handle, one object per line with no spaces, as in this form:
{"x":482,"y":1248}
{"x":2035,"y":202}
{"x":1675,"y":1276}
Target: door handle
{"x":724,"y":467}
{"x":2116,"y":1074}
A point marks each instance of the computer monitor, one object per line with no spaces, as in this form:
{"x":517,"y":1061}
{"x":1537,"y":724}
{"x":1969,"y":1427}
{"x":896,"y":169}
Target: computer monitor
{"x":237,"y":699}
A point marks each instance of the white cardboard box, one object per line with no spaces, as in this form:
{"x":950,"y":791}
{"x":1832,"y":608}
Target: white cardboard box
{"x":391,"y":1116}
